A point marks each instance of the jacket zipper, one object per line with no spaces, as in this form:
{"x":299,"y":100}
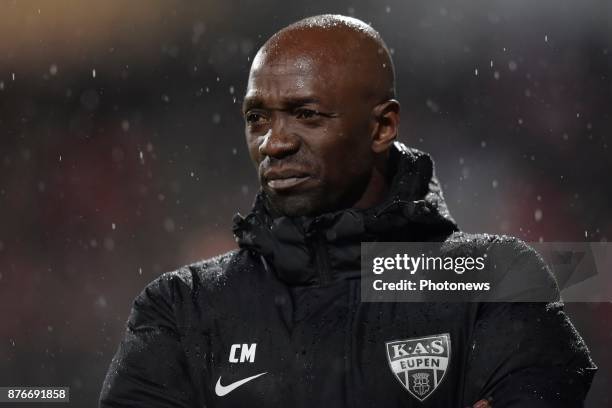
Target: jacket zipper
{"x":321,"y":257}
{"x":349,"y":341}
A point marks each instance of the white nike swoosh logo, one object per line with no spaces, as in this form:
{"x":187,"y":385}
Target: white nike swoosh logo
{"x":222,"y":390}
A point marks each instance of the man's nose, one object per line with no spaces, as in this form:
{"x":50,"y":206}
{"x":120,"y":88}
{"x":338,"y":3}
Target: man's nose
{"x":279,"y":142}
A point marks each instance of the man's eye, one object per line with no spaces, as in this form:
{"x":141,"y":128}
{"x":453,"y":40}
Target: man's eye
{"x":253,"y":117}
{"x":305,"y":113}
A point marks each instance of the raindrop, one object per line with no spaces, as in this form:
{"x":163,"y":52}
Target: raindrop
{"x":53,"y":69}
{"x":537,"y":215}
{"x":169,"y":225}
{"x":476,"y":71}
{"x":101,"y":302}
{"x":198,"y":30}
{"x":434,"y":107}
{"x":109,"y":244}
{"x":93,"y":73}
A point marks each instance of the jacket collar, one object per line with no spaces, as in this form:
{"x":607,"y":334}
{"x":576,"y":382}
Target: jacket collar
{"x":325,"y":248}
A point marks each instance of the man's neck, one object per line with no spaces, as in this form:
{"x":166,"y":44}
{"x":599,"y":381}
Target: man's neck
{"x":378,"y":186}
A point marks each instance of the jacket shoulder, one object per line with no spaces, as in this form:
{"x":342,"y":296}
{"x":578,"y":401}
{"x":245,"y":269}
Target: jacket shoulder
{"x":483,"y":240}
{"x":166,"y":295}
{"x":208,"y":273}
{"x":504,"y":246}
{"x":214,"y":271}
{"x":516,"y":270}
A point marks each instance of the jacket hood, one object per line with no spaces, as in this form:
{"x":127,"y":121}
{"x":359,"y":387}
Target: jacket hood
{"x":327,"y":247}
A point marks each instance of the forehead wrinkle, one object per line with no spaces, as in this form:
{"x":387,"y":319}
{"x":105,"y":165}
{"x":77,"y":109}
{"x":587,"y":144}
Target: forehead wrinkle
{"x":284,"y":100}
{"x":267,"y":86}
{"x":302,"y":67}
{"x":288,"y":63}
{"x":298,"y":76}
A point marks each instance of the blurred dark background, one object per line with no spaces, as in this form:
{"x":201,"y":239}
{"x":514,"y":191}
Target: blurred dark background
{"x":122,"y":150}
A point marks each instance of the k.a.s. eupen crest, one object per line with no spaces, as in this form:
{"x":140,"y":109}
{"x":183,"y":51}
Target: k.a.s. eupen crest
{"x":420,"y":364}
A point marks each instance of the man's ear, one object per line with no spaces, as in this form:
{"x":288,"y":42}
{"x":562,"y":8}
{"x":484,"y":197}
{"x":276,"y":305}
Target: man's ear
{"x":386,"y":116}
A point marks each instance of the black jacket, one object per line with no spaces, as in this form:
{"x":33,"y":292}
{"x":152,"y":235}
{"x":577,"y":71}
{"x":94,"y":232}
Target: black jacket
{"x":279,"y":322}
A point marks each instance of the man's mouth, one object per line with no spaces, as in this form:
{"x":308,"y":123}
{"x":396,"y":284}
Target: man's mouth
{"x":284,"y":180}
{"x":282,"y":184}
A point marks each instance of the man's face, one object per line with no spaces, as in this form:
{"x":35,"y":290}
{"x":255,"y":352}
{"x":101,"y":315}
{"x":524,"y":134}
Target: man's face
{"x":307,"y":129}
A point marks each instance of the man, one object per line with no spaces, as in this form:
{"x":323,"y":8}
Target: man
{"x":279,"y":322}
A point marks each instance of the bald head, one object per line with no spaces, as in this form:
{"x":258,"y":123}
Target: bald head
{"x":320,"y":115}
{"x":345,"y":47}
